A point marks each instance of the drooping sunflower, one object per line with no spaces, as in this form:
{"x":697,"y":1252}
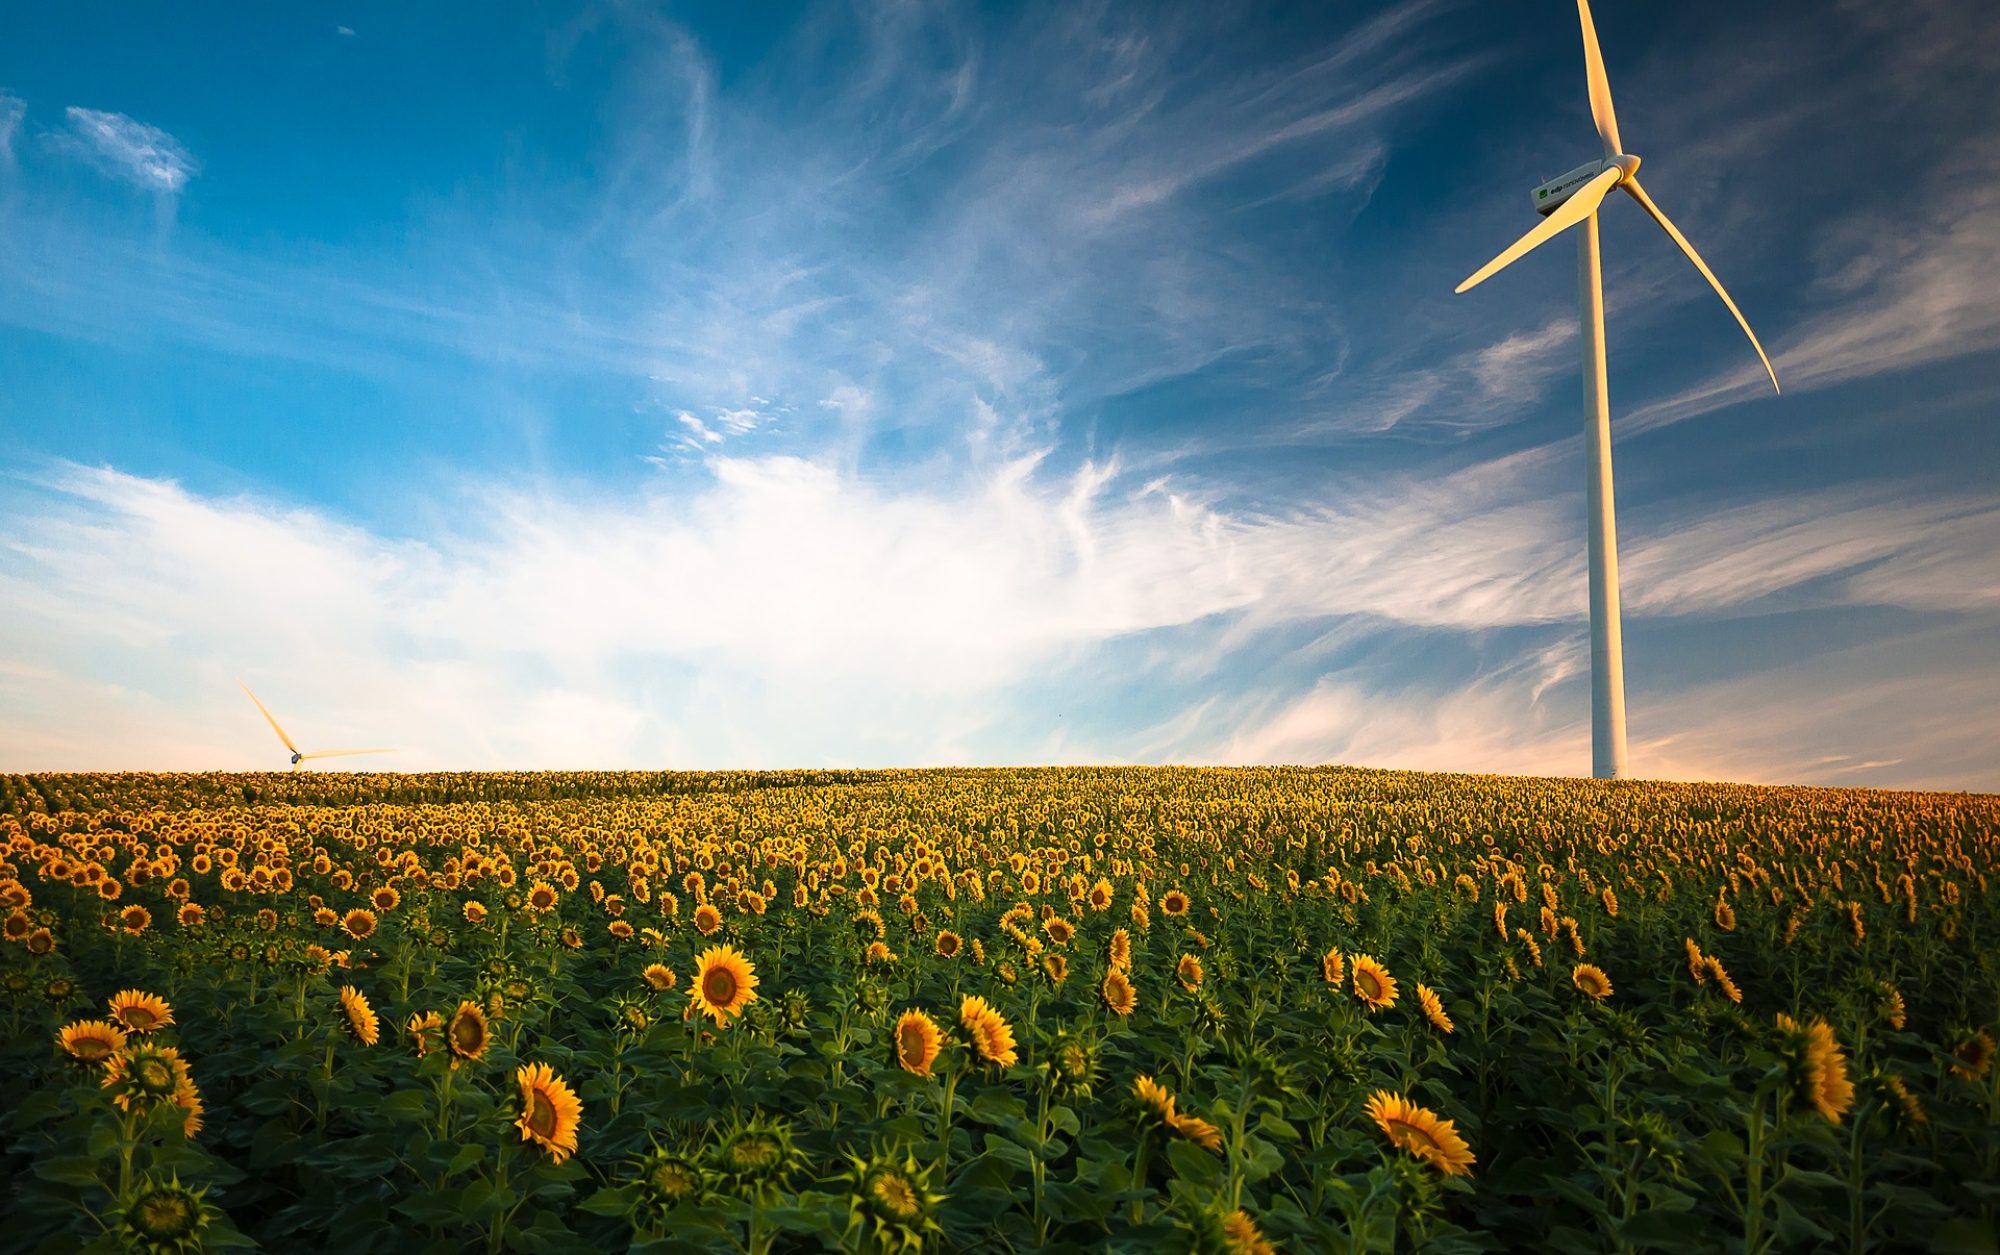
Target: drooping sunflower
{"x":991,"y":1036}
{"x":550,"y":1111}
{"x":468,"y":1034}
{"x":1973,"y":1054}
{"x":426,"y":1032}
{"x":659,"y":977}
{"x":1155,"y":1098}
{"x":1373,"y":984}
{"x":1433,"y":1008}
{"x":1118,"y":993}
{"x":724,"y":983}
{"x":141,"y":1012}
{"x":360,"y":1018}
{"x":1333,"y":966}
{"x":1188,"y":972}
{"x":1713,"y":967}
{"x":1421,"y":1133}
{"x":91,"y":1041}
{"x":359,"y":923}
{"x":1823,"y":1079}
{"x":917,"y":1042}
{"x":1591,"y":980}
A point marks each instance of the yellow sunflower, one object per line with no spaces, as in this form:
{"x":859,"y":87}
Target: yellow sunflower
{"x":1173,"y":902}
{"x":359,"y":923}
{"x":1421,"y":1133}
{"x":141,"y":1012}
{"x":992,"y":1037}
{"x":1118,"y":993}
{"x":550,"y":1111}
{"x":659,"y":977}
{"x":135,"y":919}
{"x":91,"y":1041}
{"x":361,"y":1019}
{"x":707,"y":919}
{"x":948,"y":944}
{"x":724,"y":983}
{"x":541,"y":897}
{"x":1973,"y":1054}
{"x":468,"y":1034}
{"x":1822,"y":1067}
{"x":1333,"y":966}
{"x":1373,"y":984}
{"x":1188,"y":972}
{"x":1242,"y":1236}
{"x":1433,"y":1007}
{"x":426,"y":1031}
{"x":1591,"y":979}
{"x":917,"y":1042}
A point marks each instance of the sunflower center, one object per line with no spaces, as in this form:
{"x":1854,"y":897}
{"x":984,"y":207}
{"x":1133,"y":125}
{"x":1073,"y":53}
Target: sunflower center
{"x":1370,"y":987}
{"x":140,"y":1019}
{"x":154,"y":1074}
{"x":541,"y":1114}
{"x":914,"y":1045}
{"x":896,"y":1194}
{"x":92,"y":1048}
{"x":162,"y":1216}
{"x":466,"y":1034}
{"x":1414,"y":1136}
{"x":719,"y":986}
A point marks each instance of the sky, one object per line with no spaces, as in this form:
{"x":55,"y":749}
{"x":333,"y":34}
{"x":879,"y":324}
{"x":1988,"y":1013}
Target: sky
{"x":903,"y":383}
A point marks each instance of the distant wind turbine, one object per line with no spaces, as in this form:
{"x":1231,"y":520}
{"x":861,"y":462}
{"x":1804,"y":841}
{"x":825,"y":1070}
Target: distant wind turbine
{"x":298,"y":755}
{"x":1564,"y":202}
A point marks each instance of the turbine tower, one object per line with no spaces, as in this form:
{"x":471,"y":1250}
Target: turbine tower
{"x":1564,"y":202}
{"x":299,"y":756}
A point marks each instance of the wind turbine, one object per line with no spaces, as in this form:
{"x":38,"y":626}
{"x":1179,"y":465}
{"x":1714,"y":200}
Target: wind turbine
{"x":298,"y":755}
{"x":1571,"y":200}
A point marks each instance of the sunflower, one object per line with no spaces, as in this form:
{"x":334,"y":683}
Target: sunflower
{"x":1241,"y":1236}
{"x":917,"y":1042}
{"x":1591,"y":979}
{"x":1118,"y":993}
{"x":1892,"y":1010}
{"x":1333,"y":966}
{"x":162,"y":1217}
{"x":550,"y":1110}
{"x":1373,"y":984}
{"x":474,"y":911}
{"x":1055,"y":967}
{"x":361,"y":1019}
{"x":143,"y":1075}
{"x":190,"y":914}
{"x":541,"y":897}
{"x":1189,"y":972}
{"x":426,"y":1032}
{"x":91,"y":1041}
{"x":1156,"y":1098}
{"x":40,"y":942}
{"x":1973,"y":1054}
{"x":992,"y":1037}
{"x":1198,"y":1131}
{"x":17,"y":925}
{"x":659,"y":977}
{"x":1120,"y":951}
{"x":707,"y":919}
{"x":724,"y":983}
{"x":1433,"y":1008}
{"x":892,"y":1202}
{"x":1822,"y":1067}
{"x":468,"y":1034}
{"x":1713,"y":967}
{"x":135,"y":919}
{"x":359,"y":923}
{"x":386,"y":899}
{"x":948,"y":944}
{"x":1421,"y":1133}
{"x":141,"y":1012}
{"x":1173,"y":902}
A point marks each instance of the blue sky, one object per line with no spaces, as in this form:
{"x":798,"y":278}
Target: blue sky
{"x":904,"y":383}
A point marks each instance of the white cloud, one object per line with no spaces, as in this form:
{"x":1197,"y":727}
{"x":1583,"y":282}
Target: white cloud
{"x":12,"y":110}
{"x":131,"y":150}
{"x":787,"y":612}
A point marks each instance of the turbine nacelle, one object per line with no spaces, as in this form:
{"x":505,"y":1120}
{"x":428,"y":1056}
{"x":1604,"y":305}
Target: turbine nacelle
{"x":1550,"y":195}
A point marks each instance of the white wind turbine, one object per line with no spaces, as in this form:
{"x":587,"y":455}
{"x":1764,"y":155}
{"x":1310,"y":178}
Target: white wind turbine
{"x":1565,"y":202}
{"x":298,"y":755}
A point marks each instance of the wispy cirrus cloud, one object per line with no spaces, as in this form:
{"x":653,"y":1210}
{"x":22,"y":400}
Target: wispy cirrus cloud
{"x":129,"y":149}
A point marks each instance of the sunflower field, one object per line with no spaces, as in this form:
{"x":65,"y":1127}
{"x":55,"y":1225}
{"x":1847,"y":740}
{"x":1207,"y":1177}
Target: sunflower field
{"x":1080,"y":1009}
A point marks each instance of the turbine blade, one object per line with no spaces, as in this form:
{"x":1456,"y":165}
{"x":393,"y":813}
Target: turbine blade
{"x":1673,"y":232}
{"x":1600,"y":86}
{"x":1566,"y":215}
{"x":342,"y":753}
{"x":268,"y":719}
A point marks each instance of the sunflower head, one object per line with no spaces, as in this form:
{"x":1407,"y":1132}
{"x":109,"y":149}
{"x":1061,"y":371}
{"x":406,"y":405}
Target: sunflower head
{"x":163,"y":1218}
{"x":667,"y":1180}
{"x":426,"y":1032}
{"x":1071,"y":1064}
{"x":1433,"y":1008}
{"x":991,"y":1037}
{"x":891,"y":1205}
{"x":143,"y":1075}
{"x":758,"y":1154}
{"x":1818,"y":1066}
{"x":550,"y":1111}
{"x":795,"y":1011}
{"x":918,"y":1040}
{"x":1118,"y":993}
{"x":1972,"y":1053}
{"x":469,"y":1033}
{"x":141,"y":1012}
{"x":724,"y":983}
{"x":1373,"y":984}
{"x":358,"y":1017}
{"x":1591,"y":980}
{"x":1420,"y":1132}
{"x":91,"y":1042}
{"x":659,"y":977}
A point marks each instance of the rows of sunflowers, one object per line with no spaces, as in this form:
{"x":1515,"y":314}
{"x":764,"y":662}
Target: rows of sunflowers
{"x":1158,"y":1009}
